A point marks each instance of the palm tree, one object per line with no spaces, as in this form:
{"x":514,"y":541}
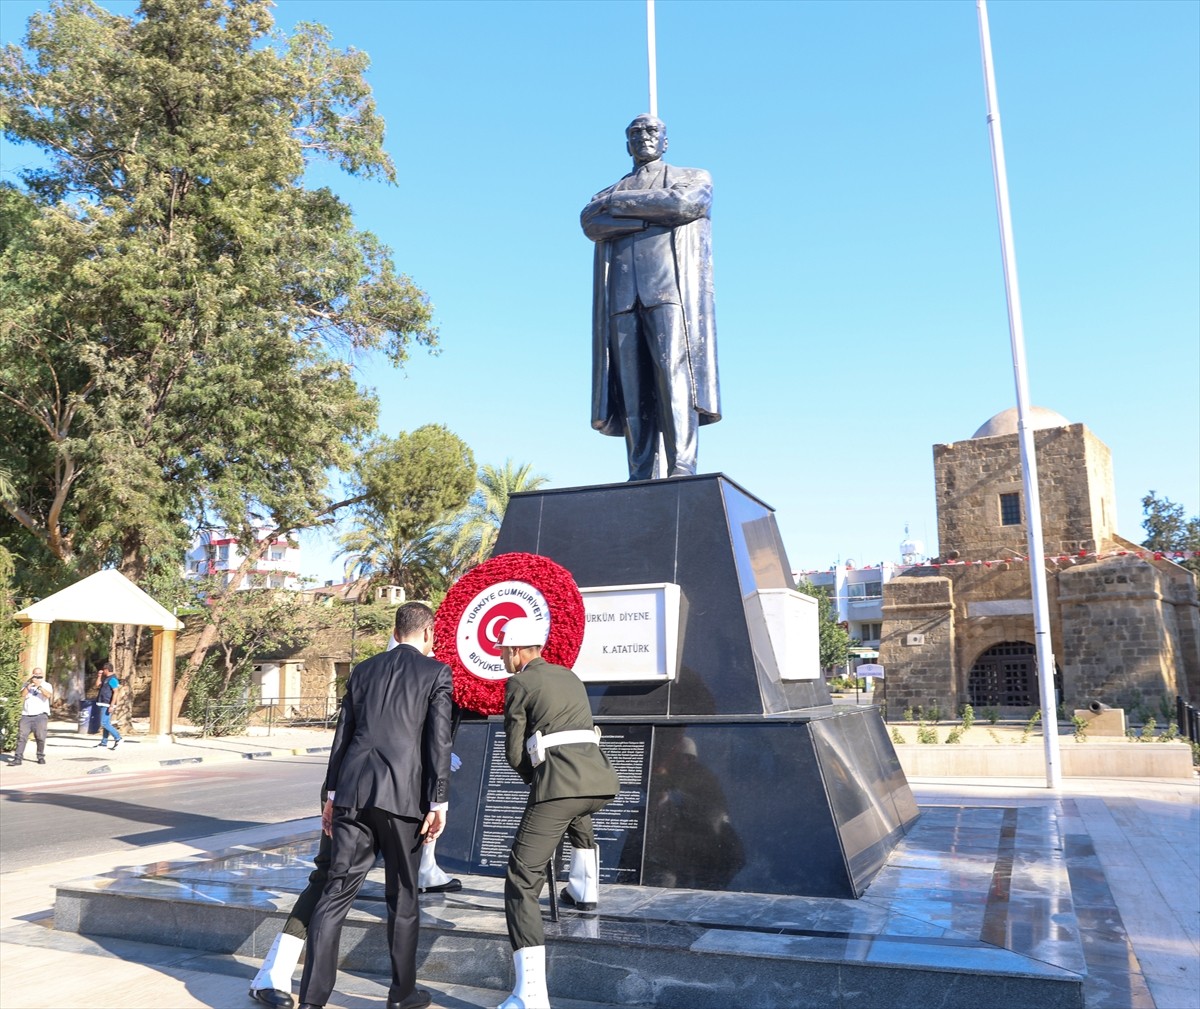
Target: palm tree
{"x":472,"y":533}
{"x":377,"y":550}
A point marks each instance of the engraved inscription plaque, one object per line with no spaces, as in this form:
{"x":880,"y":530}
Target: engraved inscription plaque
{"x":620,"y":826}
{"x":504,"y":798}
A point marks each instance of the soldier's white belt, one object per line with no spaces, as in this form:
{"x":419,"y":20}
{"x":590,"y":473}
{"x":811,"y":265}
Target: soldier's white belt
{"x":537,"y":745}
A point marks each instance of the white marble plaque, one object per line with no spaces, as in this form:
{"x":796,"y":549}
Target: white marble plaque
{"x":788,"y":620}
{"x":632,"y":633}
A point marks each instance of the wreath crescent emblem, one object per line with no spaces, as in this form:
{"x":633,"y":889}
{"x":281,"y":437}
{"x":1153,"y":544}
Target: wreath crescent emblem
{"x":478,"y":605}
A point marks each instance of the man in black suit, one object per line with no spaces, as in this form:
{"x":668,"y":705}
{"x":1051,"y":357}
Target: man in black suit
{"x":388,"y":777}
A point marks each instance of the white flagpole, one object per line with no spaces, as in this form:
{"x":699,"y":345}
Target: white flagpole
{"x":651,"y":59}
{"x":1033,"y":505}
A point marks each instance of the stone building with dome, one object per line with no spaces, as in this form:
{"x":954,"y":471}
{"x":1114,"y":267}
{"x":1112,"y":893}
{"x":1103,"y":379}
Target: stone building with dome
{"x":1125,"y":625}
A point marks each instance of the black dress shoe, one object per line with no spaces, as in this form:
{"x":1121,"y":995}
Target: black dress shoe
{"x":15,"y":763}
{"x":312,"y":1005}
{"x":579,"y":905}
{"x":453,"y":886}
{"x":41,"y":760}
{"x":417,"y":1000}
{"x":273,"y":997}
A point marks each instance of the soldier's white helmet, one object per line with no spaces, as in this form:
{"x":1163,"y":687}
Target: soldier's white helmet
{"x":523,"y":632}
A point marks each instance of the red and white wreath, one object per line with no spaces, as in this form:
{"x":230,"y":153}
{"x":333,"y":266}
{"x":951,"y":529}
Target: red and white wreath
{"x":481,"y":602}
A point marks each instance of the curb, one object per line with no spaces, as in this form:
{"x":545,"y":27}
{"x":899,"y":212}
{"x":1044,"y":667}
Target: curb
{"x":225,"y":757}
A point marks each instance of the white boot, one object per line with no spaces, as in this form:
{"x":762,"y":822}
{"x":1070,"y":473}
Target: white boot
{"x":430,"y":877}
{"x":583,"y":882}
{"x":277,"y":968}
{"x":530,"y":990}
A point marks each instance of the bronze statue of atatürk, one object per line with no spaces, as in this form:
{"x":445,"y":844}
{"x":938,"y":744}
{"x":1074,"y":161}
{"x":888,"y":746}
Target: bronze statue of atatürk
{"x":654,"y":338}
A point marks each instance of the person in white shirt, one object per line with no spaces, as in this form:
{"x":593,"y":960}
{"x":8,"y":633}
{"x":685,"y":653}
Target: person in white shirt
{"x":36,"y":695}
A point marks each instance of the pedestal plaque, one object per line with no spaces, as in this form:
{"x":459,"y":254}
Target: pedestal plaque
{"x":620,"y":827}
{"x":499,"y":814}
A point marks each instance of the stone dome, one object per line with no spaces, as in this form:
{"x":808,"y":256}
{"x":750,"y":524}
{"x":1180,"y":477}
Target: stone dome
{"x":1005,"y":422}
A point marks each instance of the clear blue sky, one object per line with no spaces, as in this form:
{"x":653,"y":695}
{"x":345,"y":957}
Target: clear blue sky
{"x":860,"y":299}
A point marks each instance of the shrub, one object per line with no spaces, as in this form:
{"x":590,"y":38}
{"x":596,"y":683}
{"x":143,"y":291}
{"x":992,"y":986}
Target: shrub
{"x":11,"y":672}
{"x":897,"y":736}
{"x":955,"y":735}
{"x":1170,"y":733}
{"x":934,"y":713}
{"x":908,"y":713}
{"x":1029,"y":726}
{"x":1148,"y":730}
{"x":224,"y":709}
{"x":925,"y":733}
{"x":992,"y":715}
{"x":1166,"y":707}
{"x":968,"y":716}
{"x":1080,"y":724}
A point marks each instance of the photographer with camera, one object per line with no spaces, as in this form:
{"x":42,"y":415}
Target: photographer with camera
{"x":36,"y":695}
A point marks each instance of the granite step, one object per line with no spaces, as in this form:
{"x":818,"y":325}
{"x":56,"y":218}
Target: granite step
{"x":973,"y":908}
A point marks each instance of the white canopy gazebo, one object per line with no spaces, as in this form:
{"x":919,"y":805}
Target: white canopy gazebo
{"x":108,"y":597}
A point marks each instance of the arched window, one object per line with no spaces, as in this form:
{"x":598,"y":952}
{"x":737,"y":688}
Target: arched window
{"x":1005,"y":676}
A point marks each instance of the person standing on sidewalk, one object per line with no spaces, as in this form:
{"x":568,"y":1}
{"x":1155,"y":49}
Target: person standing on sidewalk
{"x":109,"y":686}
{"x":36,"y":695}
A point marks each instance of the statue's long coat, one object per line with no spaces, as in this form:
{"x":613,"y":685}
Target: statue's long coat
{"x":692,"y":247}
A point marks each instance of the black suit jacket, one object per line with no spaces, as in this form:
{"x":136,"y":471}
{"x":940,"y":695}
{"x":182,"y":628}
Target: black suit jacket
{"x":391,"y":750}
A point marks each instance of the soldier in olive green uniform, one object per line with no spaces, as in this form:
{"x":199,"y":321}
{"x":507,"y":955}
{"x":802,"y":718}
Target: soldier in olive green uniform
{"x":553,"y":745}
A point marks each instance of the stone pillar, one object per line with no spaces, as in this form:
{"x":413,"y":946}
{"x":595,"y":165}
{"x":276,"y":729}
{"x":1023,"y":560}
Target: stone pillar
{"x":162,"y":684}
{"x":37,"y":646}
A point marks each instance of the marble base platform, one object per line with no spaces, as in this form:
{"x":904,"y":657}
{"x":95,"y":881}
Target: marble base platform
{"x":973,"y":908}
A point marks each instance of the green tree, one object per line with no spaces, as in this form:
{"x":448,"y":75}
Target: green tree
{"x":1170,"y":530}
{"x":408,"y":488}
{"x":261,"y":623}
{"x":835,"y":640}
{"x":178,"y":311}
{"x":10,"y":656}
{"x":254,"y":624}
{"x":472,"y":533}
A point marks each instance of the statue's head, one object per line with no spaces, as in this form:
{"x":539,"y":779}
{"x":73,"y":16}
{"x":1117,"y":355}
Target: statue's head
{"x":646,"y":138}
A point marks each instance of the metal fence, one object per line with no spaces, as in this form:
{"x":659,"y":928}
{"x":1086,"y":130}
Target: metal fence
{"x":232,"y":718}
{"x":1188,"y":717}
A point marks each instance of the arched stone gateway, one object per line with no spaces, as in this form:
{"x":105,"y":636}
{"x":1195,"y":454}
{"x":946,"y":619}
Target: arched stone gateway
{"x":1005,"y":676}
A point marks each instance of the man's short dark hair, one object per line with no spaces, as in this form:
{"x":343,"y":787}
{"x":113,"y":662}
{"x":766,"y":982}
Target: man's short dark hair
{"x":104,"y":665}
{"x":412,"y":619}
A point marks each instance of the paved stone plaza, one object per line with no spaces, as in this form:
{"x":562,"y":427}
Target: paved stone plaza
{"x":1104,"y":872}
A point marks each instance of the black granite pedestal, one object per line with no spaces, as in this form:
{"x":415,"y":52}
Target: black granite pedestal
{"x":734,"y":776}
